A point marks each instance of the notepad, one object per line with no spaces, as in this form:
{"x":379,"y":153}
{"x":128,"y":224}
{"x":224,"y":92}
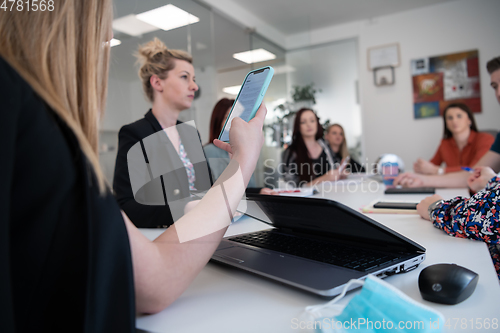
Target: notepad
{"x":369,"y":209}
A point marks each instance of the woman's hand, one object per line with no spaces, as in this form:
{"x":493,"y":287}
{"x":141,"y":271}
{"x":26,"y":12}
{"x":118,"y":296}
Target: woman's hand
{"x":268,"y":191}
{"x":409,"y":179}
{"x":245,"y":138}
{"x":423,"y":206}
{"x":425,"y":167}
{"x":479,"y":178}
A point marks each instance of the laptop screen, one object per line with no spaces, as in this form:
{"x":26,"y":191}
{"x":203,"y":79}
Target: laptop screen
{"x":328,"y":218}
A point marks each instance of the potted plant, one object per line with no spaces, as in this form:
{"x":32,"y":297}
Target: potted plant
{"x":304,"y":96}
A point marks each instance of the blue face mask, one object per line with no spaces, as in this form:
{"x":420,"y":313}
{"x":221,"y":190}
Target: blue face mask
{"x":379,"y":307}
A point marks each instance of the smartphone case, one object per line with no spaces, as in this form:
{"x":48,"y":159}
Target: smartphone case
{"x":259,"y":99}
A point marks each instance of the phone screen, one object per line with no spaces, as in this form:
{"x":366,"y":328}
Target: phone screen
{"x":248,"y":100}
{"x":395,"y":205}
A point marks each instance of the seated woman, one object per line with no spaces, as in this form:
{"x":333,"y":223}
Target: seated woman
{"x":217,"y":158}
{"x":336,"y":140}
{"x":308,"y":160}
{"x":476,"y":217}
{"x":462,"y":144}
{"x":168,"y":80}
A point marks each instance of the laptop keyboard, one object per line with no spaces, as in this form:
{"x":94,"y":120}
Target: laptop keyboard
{"x":349,"y":257}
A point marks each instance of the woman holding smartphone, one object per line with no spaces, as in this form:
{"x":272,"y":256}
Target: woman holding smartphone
{"x":169,"y":83}
{"x":70,"y":258}
{"x":308,"y":160}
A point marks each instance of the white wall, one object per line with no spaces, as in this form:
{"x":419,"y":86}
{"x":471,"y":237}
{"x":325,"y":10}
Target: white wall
{"x":387,"y":112}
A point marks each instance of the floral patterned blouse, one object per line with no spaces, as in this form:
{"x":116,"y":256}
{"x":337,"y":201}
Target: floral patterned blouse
{"x":476,"y":218}
{"x":188,"y":165}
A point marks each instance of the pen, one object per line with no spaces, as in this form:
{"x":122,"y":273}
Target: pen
{"x":468,"y":169}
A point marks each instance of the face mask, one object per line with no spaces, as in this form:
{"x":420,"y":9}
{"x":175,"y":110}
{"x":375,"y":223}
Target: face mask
{"x":379,"y":307}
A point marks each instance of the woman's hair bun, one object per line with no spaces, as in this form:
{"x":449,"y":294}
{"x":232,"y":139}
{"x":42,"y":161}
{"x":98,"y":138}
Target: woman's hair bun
{"x":151,"y":50}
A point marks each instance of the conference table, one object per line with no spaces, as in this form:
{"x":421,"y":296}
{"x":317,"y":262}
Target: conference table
{"x":225,"y":299}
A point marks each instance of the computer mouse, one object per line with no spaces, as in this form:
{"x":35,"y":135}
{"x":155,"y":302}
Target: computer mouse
{"x":447,"y":283}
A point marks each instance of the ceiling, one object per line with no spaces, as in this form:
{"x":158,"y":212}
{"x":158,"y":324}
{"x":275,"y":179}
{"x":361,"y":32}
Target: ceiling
{"x":221,"y":29}
{"x":296,"y":16}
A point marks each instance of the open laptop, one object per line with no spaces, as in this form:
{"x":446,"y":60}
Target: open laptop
{"x":317,"y":245}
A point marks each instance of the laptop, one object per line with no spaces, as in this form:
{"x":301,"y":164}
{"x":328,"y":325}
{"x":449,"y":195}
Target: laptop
{"x":317,"y":245}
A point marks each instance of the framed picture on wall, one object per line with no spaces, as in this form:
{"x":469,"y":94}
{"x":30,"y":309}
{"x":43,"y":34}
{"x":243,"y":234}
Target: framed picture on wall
{"x":439,"y":81}
{"x":383,"y":56}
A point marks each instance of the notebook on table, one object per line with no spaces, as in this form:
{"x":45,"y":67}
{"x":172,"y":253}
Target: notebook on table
{"x":317,"y":245}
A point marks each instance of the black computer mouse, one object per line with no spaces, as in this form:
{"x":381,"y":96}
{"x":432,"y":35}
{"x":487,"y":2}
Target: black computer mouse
{"x":447,"y":283}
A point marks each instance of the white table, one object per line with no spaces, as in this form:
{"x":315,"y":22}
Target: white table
{"x":224,"y":299}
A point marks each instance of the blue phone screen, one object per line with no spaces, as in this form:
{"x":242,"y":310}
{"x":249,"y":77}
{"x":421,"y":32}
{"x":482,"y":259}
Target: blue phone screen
{"x":245,"y":103}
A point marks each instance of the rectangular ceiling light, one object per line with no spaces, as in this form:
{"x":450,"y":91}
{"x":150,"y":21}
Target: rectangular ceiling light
{"x":254,"y":56}
{"x":114,"y":42}
{"x":130,"y":25}
{"x":233,"y":90}
{"x":167,"y":17}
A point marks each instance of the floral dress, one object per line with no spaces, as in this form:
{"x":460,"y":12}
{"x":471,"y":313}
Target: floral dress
{"x":476,"y":218}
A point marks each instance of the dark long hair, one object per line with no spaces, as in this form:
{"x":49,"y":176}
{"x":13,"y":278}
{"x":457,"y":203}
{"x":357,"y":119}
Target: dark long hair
{"x":217,"y":119}
{"x":447,"y":133}
{"x":298,"y":145}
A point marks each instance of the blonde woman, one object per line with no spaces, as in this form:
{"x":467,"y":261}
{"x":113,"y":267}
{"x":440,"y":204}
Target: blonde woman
{"x":168,"y":80}
{"x":65,"y":248}
{"x":335,"y":137}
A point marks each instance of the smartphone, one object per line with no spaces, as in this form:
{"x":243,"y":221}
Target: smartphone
{"x":249,"y":98}
{"x":395,"y":205}
{"x":410,"y":190}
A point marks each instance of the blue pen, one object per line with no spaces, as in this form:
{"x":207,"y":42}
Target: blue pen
{"x":468,"y":169}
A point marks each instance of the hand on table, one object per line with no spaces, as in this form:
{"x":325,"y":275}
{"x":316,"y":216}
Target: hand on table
{"x":409,"y":179}
{"x":425,"y":167}
{"x":268,"y":191}
{"x":423,"y":206}
{"x":479,"y":178}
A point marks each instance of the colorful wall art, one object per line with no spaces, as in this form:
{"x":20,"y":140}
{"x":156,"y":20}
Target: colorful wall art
{"x":439,"y":81}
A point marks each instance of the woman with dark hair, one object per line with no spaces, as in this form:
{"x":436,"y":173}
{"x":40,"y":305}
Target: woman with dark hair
{"x":462,"y":144}
{"x":217,"y":158}
{"x":308,"y":160}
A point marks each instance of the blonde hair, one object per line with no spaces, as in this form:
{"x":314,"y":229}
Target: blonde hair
{"x":63,"y":57}
{"x":344,"y":152}
{"x":156,"y":59}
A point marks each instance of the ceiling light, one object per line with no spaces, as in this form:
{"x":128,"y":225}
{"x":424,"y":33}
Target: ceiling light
{"x":130,"y":25}
{"x":167,"y":17}
{"x":233,"y":90}
{"x":114,"y":42}
{"x":254,"y":56}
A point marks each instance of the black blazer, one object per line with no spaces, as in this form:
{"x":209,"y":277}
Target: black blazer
{"x":64,"y":248}
{"x":174,"y":185}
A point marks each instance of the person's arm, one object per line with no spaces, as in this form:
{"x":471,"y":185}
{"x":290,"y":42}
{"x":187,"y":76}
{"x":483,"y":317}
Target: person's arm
{"x":449,"y":180}
{"x":476,"y":217}
{"x":164,"y":268}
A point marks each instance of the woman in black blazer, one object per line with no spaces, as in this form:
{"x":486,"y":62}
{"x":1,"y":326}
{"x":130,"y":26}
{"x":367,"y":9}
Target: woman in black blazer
{"x":169,"y":83}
